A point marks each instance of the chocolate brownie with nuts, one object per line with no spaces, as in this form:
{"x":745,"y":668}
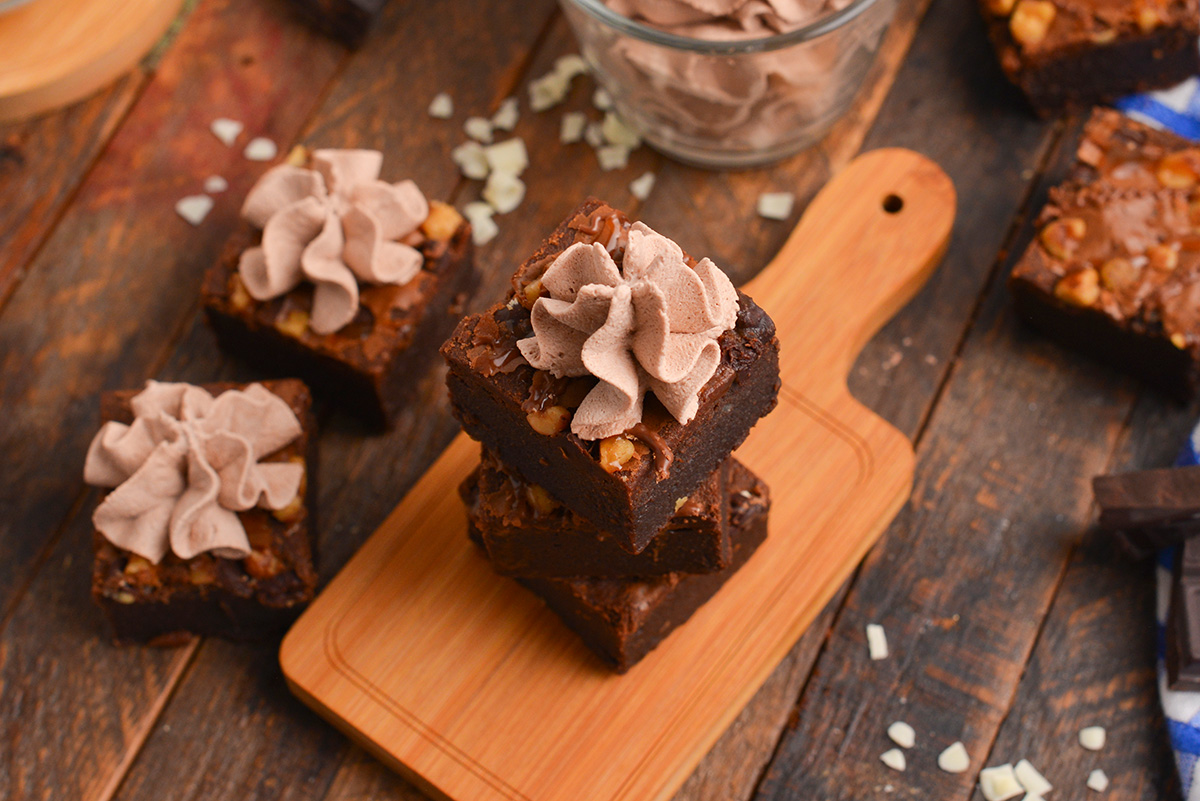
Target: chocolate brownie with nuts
{"x":622,"y":472}
{"x":334,"y":280}
{"x":622,"y":620}
{"x":528,"y":533}
{"x":1114,"y":269}
{"x":250,"y":595}
{"x":1072,"y":54}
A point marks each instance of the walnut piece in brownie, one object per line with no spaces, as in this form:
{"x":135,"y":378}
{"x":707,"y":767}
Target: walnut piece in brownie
{"x":1071,"y":54}
{"x":1114,"y":269}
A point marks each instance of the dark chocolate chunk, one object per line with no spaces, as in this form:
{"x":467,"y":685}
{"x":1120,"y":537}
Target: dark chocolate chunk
{"x":1150,"y":509}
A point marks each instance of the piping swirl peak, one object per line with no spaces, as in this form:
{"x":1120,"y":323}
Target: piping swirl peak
{"x":334,"y":226}
{"x":650,"y":325}
{"x":187,"y":465}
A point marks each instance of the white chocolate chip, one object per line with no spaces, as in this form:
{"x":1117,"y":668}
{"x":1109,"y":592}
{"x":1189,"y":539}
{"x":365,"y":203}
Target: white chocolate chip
{"x":641,"y":187}
{"x":504,"y":192}
{"x":483,"y":227}
{"x":601,"y":99}
{"x":548,"y":91}
{"x":573,"y":123}
{"x":617,"y":132}
{"x":226,"y":130}
{"x":612,"y":157}
{"x":1093,"y":737}
{"x":509,"y":156}
{"x":194,"y":208}
{"x":1097,"y":781}
{"x":999,"y":783}
{"x":902,"y":734}
{"x":261,"y":149}
{"x":1035,"y":783}
{"x":506,"y":117}
{"x":471,"y":160}
{"x":570,"y":66}
{"x":877,"y":645}
{"x":215,"y":185}
{"x":479,"y":129}
{"x":776,"y":205}
{"x":593,"y":134}
{"x":441,"y":107}
{"x":894,"y":759}
{"x":954,"y":759}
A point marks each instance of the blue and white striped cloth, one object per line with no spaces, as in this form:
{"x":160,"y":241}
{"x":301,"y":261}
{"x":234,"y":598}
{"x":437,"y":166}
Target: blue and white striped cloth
{"x":1178,"y":110}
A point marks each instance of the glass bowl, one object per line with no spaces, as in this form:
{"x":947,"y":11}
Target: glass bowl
{"x":731,"y":103}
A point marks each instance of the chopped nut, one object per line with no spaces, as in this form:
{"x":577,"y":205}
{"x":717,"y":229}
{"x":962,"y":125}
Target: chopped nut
{"x":292,"y":511}
{"x":1001,"y":8}
{"x":297,"y":156}
{"x":1179,"y":340}
{"x":1163,"y":257}
{"x":201,"y":572}
{"x":1061,"y":237}
{"x":1178,"y":170}
{"x":533,"y":290}
{"x":1031,"y":21}
{"x":262,"y":564}
{"x":138,"y":567}
{"x":1148,"y":19}
{"x":615,"y":452}
{"x":125,"y":597}
{"x":540,"y":500}
{"x":442,"y":222}
{"x":549,"y":421}
{"x":679,"y":502}
{"x":1118,"y":273}
{"x":1106,"y":36}
{"x":1080,"y":288}
{"x":294,"y":323}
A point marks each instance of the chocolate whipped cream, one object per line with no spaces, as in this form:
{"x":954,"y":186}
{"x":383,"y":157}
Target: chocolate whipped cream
{"x":334,"y":226}
{"x":187,"y":465}
{"x":649,"y":325}
{"x":738,"y":103}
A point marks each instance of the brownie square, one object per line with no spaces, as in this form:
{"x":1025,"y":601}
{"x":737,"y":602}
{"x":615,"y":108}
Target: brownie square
{"x":1115,"y":267}
{"x":622,"y":620}
{"x":240,"y":599}
{"x":373,"y":365}
{"x":528,"y":533}
{"x":521,"y":414}
{"x":1072,"y":54}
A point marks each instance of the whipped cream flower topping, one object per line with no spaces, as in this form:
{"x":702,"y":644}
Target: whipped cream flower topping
{"x":333,"y":225}
{"x":653,"y":327}
{"x":187,"y":464}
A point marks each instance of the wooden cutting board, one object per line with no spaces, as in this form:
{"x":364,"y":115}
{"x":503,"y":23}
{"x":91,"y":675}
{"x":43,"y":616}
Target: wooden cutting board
{"x":466,"y":684}
{"x":54,"y":52}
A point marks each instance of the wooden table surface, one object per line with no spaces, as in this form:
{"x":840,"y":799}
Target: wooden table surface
{"x":1011,"y":624}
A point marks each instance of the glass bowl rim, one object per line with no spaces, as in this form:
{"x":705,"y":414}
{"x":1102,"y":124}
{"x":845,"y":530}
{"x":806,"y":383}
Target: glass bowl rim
{"x":814,"y":30}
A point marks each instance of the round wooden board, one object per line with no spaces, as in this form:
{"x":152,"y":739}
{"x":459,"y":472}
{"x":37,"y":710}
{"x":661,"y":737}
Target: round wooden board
{"x":59,"y":51}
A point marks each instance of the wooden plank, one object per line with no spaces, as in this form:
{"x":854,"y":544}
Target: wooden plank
{"x":42,"y":162}
{"x":107,"y":292}
{"x":1094,"y":662}
{"x":1003,"y":487}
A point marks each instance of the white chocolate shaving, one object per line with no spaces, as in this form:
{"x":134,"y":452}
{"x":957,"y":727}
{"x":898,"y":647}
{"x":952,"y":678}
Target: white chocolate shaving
{"x":215,"y":185}
{"x":506,"y":117}
{"x":509,"y":156}
{"x":902,"y":734}
{"x":471,"y":160}
{"x":548,"y":91}
{"x":999,"y":783}
{"x":954,"y":759}
{"x":479,"y":129}
{"x":593,"y":134}
{"x":194,"y":208}
{"x":441,"y":107}
{"x":612,"y":157}
{"x":1034,"y":782}
{"x":504,"y":191}
{"x":894,"y":759}
{"x":261,"y":149}
{"x":601,"y":99}
{"x":226,"y":130}
{"x":877,"y":645}
{"x":776,"y":205}
{"x":571,"y":66}
{"x":483,"y":227}
{"x":617,"y":132}
{"x":642,"y":186}
{"x":571,"y":130}
{"x":1097,"y":781}
{"x":1093,"y":737}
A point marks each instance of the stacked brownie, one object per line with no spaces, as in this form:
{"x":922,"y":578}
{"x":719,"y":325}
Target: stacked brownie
{"x":609,"y":390}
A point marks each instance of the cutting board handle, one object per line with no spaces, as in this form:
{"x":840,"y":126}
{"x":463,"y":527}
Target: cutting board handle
{"x":867,"y":242}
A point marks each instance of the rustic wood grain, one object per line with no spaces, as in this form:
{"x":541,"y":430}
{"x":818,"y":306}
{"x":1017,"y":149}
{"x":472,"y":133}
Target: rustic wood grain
{"x":42,"y":162}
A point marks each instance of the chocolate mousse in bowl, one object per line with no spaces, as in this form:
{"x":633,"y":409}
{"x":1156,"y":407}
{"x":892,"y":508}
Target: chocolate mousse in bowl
{"x":730,"y":83}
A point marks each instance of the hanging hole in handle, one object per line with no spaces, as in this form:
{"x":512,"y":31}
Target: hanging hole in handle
{"x":892,"y":204}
